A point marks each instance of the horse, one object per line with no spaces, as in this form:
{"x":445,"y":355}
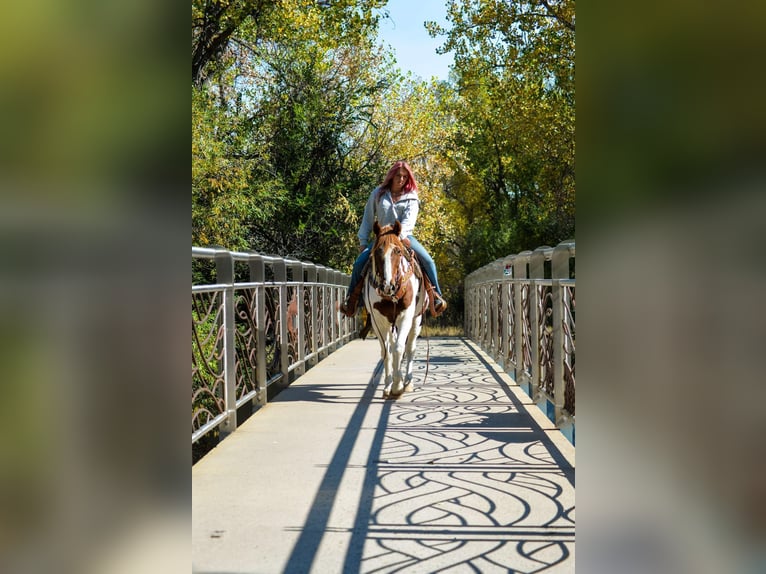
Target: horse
{"x":395,"y":297}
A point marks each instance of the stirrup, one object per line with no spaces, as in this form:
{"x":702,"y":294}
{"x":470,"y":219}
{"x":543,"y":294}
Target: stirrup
{"x":440,"y":304}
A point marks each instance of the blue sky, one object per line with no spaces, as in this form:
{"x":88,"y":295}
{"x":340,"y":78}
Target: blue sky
{"x":404,"y":32}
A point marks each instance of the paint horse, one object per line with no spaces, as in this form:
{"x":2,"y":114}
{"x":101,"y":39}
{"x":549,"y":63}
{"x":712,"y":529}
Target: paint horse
{"x":395,"y":298}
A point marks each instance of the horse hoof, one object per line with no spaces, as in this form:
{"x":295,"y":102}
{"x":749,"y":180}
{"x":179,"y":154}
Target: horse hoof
{"x":408,"y":388}
{"x":385,"y":394}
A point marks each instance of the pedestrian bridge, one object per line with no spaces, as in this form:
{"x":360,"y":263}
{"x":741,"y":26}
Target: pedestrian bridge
{"x":473,"y":471}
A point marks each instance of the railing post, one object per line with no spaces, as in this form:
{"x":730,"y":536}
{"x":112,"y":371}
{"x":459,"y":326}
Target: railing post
{"x":280,"y":277}
{"x":322,"y":323}
{"x":560,"y":260}
{"x":536,"y":271}
{"x":476,"y":310}
{"x":331,"y":314}
{"x":505,"y":295}
{"x":497,"y":312}
{"x":224,"y":269}
{"x":519,"y":273}
{"x":470,"y":318}
{"x":258,"y":275}
{"x":559,"y":270}
{"x":492,"y":303}
{"x":298,"y":323}
{"x":485,"y":312}
{"x":345,"y":326}
{"x":351,"y":326}
{"x":478,"y":295}
{"x":311,"y":279}
{"x":467,"y":309}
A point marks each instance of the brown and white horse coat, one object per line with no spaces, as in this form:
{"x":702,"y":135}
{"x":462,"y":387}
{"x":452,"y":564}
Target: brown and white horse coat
{"x":395,"y":296}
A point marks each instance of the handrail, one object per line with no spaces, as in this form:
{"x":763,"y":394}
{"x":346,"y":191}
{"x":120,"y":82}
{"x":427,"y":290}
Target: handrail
{"x":249,"y":335}
{"x":520,"y":310}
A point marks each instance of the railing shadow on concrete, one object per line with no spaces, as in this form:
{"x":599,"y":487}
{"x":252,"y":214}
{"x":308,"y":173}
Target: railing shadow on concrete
{"x":520,"y":310}
{"x":490,"y":478}
{"x":253,"y":336}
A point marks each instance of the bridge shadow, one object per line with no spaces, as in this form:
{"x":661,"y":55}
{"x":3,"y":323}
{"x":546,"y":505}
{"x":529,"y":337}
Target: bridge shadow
{"x":317,"y":393}
{"x":475,"y":484}
{"x":313,"y":531}
{"x":544,"y":437}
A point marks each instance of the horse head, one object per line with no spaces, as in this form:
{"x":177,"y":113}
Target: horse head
{"x":387,"y":254}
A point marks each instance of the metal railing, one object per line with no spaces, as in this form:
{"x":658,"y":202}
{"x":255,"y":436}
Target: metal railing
{"x":249,"y":335}
{"x":521,"y":311}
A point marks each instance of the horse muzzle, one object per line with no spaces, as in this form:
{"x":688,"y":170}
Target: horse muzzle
{"x":388,"y":290}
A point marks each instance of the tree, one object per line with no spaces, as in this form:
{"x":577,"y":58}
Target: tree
{"x":312,"y":107}
{"x":216,"y":23}
{"x":219,"y":25}
{"x":514,"y":144}
{"x":280,"y":119}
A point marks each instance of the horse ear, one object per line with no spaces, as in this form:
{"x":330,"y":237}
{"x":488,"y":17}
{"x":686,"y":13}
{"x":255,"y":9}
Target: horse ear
{"x":397,"y":228}
{"x":376,"y":228}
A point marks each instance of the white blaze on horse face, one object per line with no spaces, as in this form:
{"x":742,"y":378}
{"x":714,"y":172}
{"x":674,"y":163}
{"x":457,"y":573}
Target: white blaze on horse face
{"x":388,"y":274}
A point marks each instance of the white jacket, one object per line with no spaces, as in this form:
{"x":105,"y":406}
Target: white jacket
{"x":387,"y":213}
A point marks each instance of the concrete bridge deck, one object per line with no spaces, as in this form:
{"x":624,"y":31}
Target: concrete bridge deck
{"x":463,"y":474}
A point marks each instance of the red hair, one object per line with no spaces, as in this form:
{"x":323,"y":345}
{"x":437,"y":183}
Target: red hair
{"x":411,"y":185}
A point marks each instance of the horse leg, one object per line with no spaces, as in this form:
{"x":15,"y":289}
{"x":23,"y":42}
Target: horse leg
{"x":412,"y":341}
{"x":398,"y":353}
{"x":388,"y":363}
{"x":403,"y":334}
{"x":385,"y":356}
{"x":381,"y":327}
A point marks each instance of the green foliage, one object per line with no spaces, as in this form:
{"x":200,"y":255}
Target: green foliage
{"x":281,"y":161}
{"x":314,"y":107}
{"x":224,"y":198}
{"x":513,"y":149}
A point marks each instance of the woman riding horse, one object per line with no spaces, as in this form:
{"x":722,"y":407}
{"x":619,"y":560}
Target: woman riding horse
{"x":396,"y":199}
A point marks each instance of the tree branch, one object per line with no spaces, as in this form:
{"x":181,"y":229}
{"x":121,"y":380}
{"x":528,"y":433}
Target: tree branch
{"x":557,"y":16}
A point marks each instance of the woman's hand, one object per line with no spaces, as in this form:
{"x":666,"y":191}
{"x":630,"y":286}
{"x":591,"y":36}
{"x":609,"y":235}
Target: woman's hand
{"x":362,"y":248}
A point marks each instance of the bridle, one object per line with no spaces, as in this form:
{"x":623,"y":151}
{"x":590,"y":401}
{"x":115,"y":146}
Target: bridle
{"x":401,"y":282}
{"x":401,"y":279}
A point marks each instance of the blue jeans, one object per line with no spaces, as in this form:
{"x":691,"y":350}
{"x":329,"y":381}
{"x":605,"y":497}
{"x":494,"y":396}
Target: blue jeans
{"x":426,"y":262}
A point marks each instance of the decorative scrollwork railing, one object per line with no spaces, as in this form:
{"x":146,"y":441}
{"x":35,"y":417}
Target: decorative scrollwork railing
{"x":521,"y":311}
{"x":250,"y":334}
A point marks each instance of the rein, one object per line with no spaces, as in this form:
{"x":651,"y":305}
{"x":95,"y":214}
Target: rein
{"x":428,"y":349}
{"x":402,"y":280}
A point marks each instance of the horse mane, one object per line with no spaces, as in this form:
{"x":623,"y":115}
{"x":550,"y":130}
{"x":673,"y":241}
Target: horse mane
{"x":394,"y":229}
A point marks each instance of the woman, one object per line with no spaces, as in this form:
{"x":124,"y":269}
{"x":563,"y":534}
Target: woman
{"x":395,"y":199}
